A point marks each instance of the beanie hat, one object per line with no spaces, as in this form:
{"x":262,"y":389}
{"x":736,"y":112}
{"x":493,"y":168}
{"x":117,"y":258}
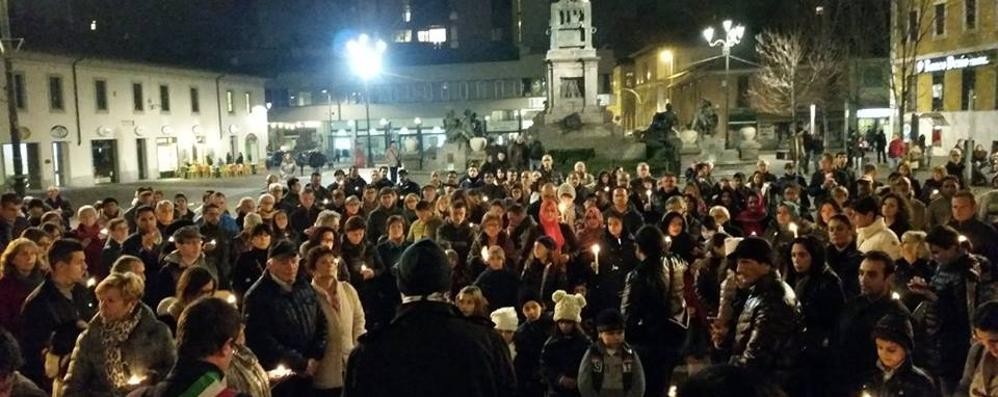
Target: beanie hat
{"x":529,"y":295}
{"x":566,"y":190}
{"x":754,"y":248}
{"x":568,"y":307}
{"x":423,"y":269}
{"x":546,"y":241}
{"x":897,"y":329}
{"x":505,"y":319}
{"x":609,"y":320}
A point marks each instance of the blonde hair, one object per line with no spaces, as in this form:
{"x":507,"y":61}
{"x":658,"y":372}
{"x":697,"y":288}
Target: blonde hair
{"x":497,"y":251}
{"x":125,"y":264}
{"x":86,"y":208}
{"x":251,"y":220}
{"x":130,"y":285}
{"x":475,"y":294}
{"x":12,"y":250}
{"x":917,"y":237}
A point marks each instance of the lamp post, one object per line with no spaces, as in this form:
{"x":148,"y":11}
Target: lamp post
{"x":8,"y":46}
{"x":387,"y":127}
{"x":365,"y":57}
{"x":732,"y":36}
{"x":419,"y":139}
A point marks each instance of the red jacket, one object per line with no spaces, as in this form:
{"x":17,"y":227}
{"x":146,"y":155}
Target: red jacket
{"x":896,"y":148}
{"x":93,"y":249}
{"x":12,"y":296}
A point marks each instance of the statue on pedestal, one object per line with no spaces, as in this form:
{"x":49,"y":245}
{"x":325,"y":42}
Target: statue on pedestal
{"x":705,"y":120}
{"x":458,"y":130}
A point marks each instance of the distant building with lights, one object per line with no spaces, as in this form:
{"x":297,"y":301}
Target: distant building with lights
{"x":86,"y":121}
{"x":953,"y":94}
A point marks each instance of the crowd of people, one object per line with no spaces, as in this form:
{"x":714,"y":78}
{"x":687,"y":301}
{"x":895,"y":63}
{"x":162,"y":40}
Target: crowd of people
{"x":498,"y":282}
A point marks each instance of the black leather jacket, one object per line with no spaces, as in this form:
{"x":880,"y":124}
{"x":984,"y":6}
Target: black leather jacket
{"x":766,"y":335}
{"x":652,"y":300}
{"x":821,"y":300}
{"x":907,"y":380}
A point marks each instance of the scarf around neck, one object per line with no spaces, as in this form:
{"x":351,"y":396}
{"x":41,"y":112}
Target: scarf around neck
{"x":113,"y":336}
{"x":552,"y":228}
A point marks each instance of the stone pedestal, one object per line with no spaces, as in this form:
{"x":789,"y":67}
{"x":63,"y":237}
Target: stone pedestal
{"x":689,"y":140}
{"x":607,"y":140}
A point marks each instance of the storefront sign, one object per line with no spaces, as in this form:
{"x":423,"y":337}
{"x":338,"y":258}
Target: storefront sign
{"x":952,"y":62}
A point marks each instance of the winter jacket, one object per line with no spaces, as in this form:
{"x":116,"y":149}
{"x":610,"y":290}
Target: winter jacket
{"x":855,"y":355}
{"x":377,"y":222}
{"x":982,"y":236}
{"x":420,"y":230}
{"x":249,"y":267}
{"x":975,"y":382}
{"x":653,"y":306}
{"x":632,"y":219}
{"x":430,"y":349}
{"x":907,"y":380}
{"x":604,"y":375}
{"x":110,"y":253}
{"x":378,"y":294}
{"x":562,"y":357}
{"x":303,"y":218}
{"x":766,"y":334}
{"x":878,"y":237}
{"x":302,"y":334}
{"x":345,"y":326}
{"x":845,"y":264}
{"x":14,"y":290}
{"x":616,"y":260}
{"x":222,"y":257}
{"x":939,"y":212}
{"x":458,"y":237}
{"x":500,"y":287}
{"x":148,"y":352}
{"x":92,"y":250}
{"x":164,"y":284}
{"x":821,"y":299}
{"x":481,"y":243}
{"x":50,"y":321}
{"x":529,"y":339}
{"x":191,"y":377}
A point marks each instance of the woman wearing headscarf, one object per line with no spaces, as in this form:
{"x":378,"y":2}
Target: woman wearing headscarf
{"x":123,"y":347}
{"x":592,"y":229}
{"x":563,"y":267}
{"x":679,"y":240}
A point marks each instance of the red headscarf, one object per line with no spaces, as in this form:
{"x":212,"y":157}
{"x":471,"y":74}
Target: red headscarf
{"x":552,"y":226}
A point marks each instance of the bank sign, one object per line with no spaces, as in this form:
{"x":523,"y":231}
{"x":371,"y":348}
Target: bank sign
{"x":952,"y":62}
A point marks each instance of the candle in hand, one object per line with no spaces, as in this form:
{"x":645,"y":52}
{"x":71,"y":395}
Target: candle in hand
{"x":596,"y":250}
{"x":135,"y":380}
{"x":91,"y":282}
{"x":793,"y":228}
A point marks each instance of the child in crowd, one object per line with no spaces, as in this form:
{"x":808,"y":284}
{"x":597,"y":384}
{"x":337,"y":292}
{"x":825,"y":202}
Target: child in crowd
{"x":506,"y":324}
{"x":563,"y":352}
{"x":529,"y":340}
{"x":897,"y":376}
{"x":473,"y":304}
{"x":610,"y":367}
{"x":498,"y":284}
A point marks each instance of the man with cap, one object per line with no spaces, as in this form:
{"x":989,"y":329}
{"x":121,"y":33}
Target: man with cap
{"x":610,"y":367}
{"x":188,"y":253}
{"x":285,"y":325}
{"x":765,"y":333}
{"x":429,"y":349}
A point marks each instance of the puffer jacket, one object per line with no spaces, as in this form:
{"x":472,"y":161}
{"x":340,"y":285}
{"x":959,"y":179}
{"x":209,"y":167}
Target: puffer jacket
{"x":562,"y":356}
{"x":653,"y":305}
{"x":907,"y":381}
{"x":148,"y":352}
{"x":877,"y":236}
{"x":302,"y":331}
{"x":766,"y":335}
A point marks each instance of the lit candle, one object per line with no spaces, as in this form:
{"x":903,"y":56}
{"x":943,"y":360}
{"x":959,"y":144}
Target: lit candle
{"x":866,"y":394}
{"x":231,"y":299}
{"x":896,"y":296}
{"x":793,"y":228}
{"x":91,"y":282}
{"x":170,"y":239}
{"x":672,"y":391}
{"x":649,"y":194}
{"x":213,"y":242}
{"x":668,"y":240}
{"x":935,"y":192}
{"x":754,"y":234}
{"x":485,"y":254}
{"x":280,"y":372}
{"x":606,"y":189}
{"x":135,"y":380}
{"x":962,"y":239}
{"x":596,"y":250}
{"x":485,"y":198}
{"x":325,"y":202}
{"x":364,"y":268}
{"x":103,"y":232}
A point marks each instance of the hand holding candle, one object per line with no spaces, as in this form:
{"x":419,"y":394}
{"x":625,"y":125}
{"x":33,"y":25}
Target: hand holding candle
{"x":91,"y":282}
{"x":135,"y":380}
{"x":793,"y":228}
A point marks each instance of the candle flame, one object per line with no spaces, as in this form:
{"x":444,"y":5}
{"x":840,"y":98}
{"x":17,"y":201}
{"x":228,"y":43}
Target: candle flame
{"x":91,"y":282}
{"x":896,"y":296}
{"x":231,"y":299}
{"x":485,"y":254}
{"x":596,"y":249}
{"x":962,"y":239}
{"x":135,"y":380}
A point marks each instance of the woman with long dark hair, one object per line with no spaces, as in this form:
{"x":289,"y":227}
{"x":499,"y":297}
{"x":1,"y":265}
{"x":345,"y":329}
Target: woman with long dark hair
{"x":819,"y":291}
{"x":897,"y":213}
{"x":681,"y":242}
{"x":654,"y":309}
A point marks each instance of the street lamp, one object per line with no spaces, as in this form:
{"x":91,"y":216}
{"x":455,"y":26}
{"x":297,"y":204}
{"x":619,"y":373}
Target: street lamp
{"x":419,"y":139}
{"x":732,"y":36}
{"x":365,"y":57}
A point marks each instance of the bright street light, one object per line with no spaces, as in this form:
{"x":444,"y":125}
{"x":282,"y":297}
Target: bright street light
{"x":365,"y":56}
{"x":732,"y":36}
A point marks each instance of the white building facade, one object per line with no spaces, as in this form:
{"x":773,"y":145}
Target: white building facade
{"x":87,"y":121}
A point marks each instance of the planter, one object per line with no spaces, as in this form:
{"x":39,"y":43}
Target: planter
{"x":477,"y":144}
{"x":410,"y":144}
{"x":749,"y":133}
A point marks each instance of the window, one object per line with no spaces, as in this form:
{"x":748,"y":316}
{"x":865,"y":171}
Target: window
{"x":970,"y":14}
{"x":432,"y":35}
{"x":403,"y":36}
{"x":913,"y":26}
{"x":940,"y":19}
{"x":195,"y":100}
{"x":967,"y":94}
{"x":249,"y":102}
{"x":137,"y":97}
{"x":228,"y":102}
{"x":937,"y":91}
{"x":164,"y":98}
{"x":100,"y":93}
{"x":56,"y":102}
{"x":20,"y":98}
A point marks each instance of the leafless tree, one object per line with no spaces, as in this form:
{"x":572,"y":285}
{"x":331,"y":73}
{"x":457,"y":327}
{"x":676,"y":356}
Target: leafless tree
{"x":795,"y":70}
{"x":911,"y":22}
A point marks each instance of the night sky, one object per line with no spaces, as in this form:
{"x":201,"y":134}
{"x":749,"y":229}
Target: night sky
{"x":267,"y":36}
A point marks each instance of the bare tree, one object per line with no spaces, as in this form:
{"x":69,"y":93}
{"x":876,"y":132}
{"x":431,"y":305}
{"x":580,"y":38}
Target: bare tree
{"x":911,"y":23}
{"x":795,"y":70}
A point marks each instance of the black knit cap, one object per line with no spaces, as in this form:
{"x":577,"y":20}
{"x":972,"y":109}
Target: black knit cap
{"x":897,"y":329}
{"x":754,"y":248}
{"x":282,"y":250}
{"x":609,"y":320}
{"x":423,"y":269}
